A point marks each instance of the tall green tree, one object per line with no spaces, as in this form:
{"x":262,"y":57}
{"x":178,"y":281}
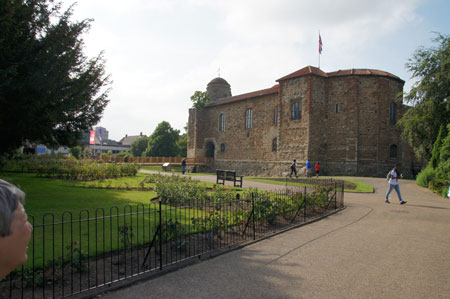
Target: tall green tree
{"x":182,"y":145}
{"x":50,"y":92}
{"x":436,"y":152}
{"x":430,"y":96}
{"x":200,"y":99}
{"x":139,"y":146}
{"x":443,"y":169}
{"x":163,"y":141}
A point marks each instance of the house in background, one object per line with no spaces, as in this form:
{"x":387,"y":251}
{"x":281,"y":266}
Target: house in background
{"x":128,"y":140}
{"x":102,"y":143}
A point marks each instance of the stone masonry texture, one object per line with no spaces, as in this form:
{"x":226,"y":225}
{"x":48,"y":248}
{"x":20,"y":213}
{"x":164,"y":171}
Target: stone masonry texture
{"x":346,"y":124}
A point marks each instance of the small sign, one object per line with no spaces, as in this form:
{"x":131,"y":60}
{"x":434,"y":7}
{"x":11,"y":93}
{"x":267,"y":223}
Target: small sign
{"x":166,"y":166}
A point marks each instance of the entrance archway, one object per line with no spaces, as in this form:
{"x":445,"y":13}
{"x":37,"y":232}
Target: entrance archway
{"x":210,"y":148}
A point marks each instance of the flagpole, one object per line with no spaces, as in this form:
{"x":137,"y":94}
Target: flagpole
{"x":319,"y":60}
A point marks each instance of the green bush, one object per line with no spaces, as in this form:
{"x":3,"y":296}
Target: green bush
{"x":425,"y":176}
{"x":69,"y":168}
{"x":439,"y":186}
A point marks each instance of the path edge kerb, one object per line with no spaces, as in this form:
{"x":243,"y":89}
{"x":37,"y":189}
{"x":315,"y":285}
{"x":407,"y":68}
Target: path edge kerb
{"x":202,"y":257}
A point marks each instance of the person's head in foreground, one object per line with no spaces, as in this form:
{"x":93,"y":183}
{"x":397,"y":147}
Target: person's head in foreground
{"x":15,"y":230}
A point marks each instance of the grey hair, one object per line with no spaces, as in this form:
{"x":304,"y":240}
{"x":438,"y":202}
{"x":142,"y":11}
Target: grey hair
{"x":10,"y":196}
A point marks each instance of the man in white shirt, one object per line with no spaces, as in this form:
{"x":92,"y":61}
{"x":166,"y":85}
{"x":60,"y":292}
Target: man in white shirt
{"x":393,"y":184}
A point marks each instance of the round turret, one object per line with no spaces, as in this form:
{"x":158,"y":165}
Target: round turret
{"x":218,"y":88}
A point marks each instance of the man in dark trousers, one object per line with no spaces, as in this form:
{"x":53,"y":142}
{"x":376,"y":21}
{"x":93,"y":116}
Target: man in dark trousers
{"x":183,"y":166}
{"x":293,"y":168}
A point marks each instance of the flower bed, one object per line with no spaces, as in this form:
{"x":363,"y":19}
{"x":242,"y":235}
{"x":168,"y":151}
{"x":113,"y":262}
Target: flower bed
{"x":69,"y":168}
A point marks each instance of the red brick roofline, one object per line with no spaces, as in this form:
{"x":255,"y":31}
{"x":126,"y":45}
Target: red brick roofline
{"x":352,"y":72}
{"x":254,"y":94}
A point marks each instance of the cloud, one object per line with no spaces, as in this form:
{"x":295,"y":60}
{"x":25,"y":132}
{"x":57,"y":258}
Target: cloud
{"x":160,"y":52}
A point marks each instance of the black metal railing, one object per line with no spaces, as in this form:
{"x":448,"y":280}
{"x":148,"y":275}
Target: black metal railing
{"x":90,"y":250}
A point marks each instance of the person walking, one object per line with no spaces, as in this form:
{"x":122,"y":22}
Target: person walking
{"x":183,"y":166}
{"x":308,"y":168}
{"x":293,"y":168}
{"x":317,"y":166}
{"x":393,"y":177}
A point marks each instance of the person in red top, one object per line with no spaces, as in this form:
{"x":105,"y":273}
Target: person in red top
{"x":317,"y":168}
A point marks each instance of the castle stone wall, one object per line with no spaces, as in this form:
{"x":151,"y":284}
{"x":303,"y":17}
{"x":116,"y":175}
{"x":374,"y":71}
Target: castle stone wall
{"x":345,"y":124}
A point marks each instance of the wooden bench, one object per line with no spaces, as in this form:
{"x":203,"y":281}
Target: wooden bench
{"x":229,"y":175}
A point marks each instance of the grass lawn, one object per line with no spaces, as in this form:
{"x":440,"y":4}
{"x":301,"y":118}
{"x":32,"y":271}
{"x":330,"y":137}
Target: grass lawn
{"x":48,"y":199}
{"x":360,"y":187}
{"x":56,"y":196}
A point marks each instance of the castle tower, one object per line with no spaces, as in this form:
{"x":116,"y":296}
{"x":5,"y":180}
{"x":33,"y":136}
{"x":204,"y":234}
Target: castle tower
{"x":218,"y":88}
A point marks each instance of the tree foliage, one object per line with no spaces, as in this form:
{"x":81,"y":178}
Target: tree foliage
{"x":76,"y":151}
{"x":430,"y":96}
{"x":443,"y":168}
{"x":200,"y":99}
{"x":182,"y":145}
{"x":436,"y":152}
{"x":163,"y":141}
{"x":50,"y":92}
{"x":139,"y":146}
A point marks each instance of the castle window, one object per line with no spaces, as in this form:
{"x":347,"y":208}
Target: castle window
{"x":222,"y":122}
{"x":249,"y":119}
{"x":393,"y":151}
{"x":222,"y":147}
{"x":296,"y":111}
{"x":275,"y":116}
{"x":337,"y":108}
{"x":393,"y":113}
{"x":275,"y":145}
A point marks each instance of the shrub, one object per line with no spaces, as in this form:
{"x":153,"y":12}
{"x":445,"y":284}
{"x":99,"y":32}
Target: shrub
{"x":425,"y":176}
{"x":69,"y":168}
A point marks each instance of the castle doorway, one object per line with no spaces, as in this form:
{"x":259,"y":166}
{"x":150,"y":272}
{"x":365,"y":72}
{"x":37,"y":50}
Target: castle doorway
{"x":210,"y":148}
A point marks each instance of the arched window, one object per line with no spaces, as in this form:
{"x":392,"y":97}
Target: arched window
{"x":275,"y":145}
{"x":393,"y":113}
{"x":222,"y":147}
{"x":393,"y":151}
{"x":222,"y":122}
{"x":249,"y":119}
{"x":296,"y":111}
{"x":275,"y":116}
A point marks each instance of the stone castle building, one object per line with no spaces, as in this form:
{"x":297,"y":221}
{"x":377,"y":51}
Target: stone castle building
{"x":344,"y":119}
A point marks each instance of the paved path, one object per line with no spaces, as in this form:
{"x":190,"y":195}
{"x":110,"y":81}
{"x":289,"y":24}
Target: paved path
{"x":369,"y":250}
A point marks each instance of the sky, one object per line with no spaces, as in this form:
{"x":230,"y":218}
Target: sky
{"x":159,"y":52}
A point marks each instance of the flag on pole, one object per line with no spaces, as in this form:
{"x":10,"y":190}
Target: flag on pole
{"x":320,"y":44}
{"x":100,"y":135}
{"x":92,"y":137}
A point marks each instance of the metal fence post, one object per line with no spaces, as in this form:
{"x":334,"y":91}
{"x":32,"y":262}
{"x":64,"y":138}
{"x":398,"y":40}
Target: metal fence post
{"x":304,"y":205}
{"x":160,"y":236}
{"x":253,"y":212}
{"x":335,"y":195}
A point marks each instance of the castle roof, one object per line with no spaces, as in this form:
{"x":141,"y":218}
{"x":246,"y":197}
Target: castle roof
{"x":311,"y":70}
{"x":219,"y":80}
{"x":254,"y":94}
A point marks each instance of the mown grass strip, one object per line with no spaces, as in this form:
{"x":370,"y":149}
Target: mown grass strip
{"x":360,"y":187}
